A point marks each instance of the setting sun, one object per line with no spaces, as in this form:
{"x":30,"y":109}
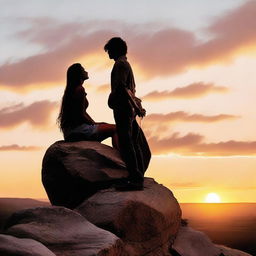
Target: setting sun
{"x":212,"y":198}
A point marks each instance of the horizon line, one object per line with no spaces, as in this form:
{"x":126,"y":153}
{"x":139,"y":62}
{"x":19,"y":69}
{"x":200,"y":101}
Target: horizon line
{"x":47,"y":200}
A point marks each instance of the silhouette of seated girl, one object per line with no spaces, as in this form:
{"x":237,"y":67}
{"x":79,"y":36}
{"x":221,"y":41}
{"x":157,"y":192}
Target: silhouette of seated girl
{"x":75,"y":123}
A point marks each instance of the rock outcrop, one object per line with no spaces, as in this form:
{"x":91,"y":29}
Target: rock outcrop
{"x":226,"y":251}
{"x":145,"y":220}
{"x":190,"y":242}
{"x":72,"y":172}
{"x":64,"y":232}
{"x":13,"y":246}
{"x":8,"y":206}
{"x":103,"y":221}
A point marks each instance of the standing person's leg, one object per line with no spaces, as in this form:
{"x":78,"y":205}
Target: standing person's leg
{"x":137,"y":146}
{"x":124,"y":131}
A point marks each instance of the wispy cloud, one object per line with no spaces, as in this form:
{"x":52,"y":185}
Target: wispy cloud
{"x":161,"y":123}
{"x":193,"y":144}
{"x":175,"y":143}
{"x":191,"y":91}
{"x":51,"y":65}
{"x":226,"y":148}
{"x":15,"y":147}
{"x":37,"y":114}
{"x":181,"y":116}
{"x":177,"y":50}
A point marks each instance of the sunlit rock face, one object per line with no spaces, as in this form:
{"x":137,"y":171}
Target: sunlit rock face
{"x":64,"y":232}
{"x":147,"y":221}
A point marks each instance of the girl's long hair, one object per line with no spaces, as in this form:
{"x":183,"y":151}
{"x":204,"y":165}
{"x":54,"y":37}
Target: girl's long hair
{"x":73,"y":80}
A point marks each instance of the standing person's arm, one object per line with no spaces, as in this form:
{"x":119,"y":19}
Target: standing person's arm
{"x":136,"y":103}
{"x":122,"y":72}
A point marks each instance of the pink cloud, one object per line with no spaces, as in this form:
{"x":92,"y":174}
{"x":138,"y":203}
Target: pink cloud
{"x":190,"y":91}
{"x":172,"y":51}
{"x":192,"y":144}
{"x":37,"y":114}
{"x":181,"y":116}
{"x":51,"y":65}
{"x":226,"y":148}
{"x":174,"y":143}
{"x":49,"y":33}
{"x":157,"y":53}
{"x":15,"y":147}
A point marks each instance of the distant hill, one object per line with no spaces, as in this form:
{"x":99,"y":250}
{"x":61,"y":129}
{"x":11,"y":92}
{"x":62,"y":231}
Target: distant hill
{"x":230,"y":224}
{"x":10,"y":205}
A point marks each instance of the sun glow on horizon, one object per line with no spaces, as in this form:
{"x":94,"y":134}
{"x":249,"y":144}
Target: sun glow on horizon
{"x":212,"y":198}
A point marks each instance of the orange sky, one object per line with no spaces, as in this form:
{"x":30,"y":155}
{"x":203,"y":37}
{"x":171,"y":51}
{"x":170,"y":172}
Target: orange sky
{"x":197,"y":84}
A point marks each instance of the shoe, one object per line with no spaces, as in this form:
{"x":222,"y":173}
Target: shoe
{"x":128,"y":185}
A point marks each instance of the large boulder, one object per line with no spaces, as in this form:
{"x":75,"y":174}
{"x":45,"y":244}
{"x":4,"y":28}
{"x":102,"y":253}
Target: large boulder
{"x":73,"y":171}
{"x":13,"y":246}
{"x":190,"y":242}
{"x":64,"y":232}
{"x":147,"y":221}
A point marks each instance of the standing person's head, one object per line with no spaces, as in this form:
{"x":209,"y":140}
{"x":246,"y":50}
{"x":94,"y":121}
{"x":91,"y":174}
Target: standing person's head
{"x":116,"y":47}
{"x":75,"y":78}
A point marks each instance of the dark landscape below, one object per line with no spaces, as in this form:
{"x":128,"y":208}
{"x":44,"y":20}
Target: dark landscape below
{"x":230,"y":224}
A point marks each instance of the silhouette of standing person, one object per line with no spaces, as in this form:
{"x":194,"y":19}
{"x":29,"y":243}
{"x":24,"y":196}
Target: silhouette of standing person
{"x":125,"y":109}
{"x":75,"y":123}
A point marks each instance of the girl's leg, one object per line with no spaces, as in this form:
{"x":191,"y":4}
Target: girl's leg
{"x":115,"y":142}
{"x":105,"y":130}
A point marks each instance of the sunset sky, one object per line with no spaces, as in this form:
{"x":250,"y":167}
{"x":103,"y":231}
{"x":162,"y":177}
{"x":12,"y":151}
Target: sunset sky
{"x":195,"y":69}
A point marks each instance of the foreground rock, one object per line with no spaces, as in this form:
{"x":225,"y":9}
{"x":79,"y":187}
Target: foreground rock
{"x":190,"y":242}
{"x":226,"y":251}
{"x":64,"y":232}
{"x":10,"y":246}
{"x":74,"y":171}
{"x":147,"y":221}
{"x":8,"y":206}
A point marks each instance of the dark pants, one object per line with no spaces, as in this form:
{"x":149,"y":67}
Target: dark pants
{"x":127,"y":131}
